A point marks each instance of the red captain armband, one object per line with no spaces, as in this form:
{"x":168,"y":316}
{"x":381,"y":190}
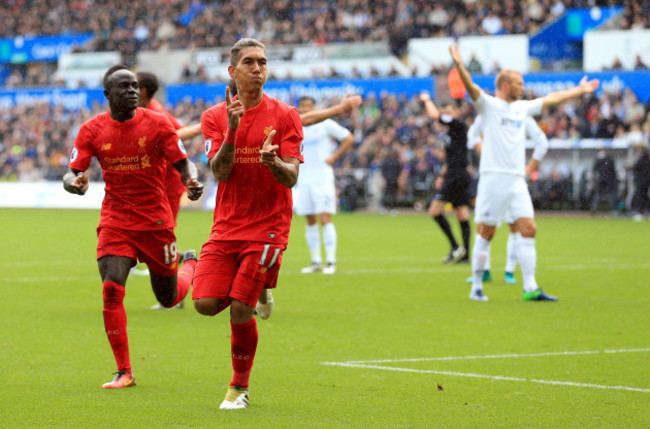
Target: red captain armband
{"x":230,"y":137}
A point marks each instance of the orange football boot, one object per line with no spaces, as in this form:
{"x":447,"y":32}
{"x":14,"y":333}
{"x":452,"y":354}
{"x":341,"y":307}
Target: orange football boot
{"x":122,"y":379}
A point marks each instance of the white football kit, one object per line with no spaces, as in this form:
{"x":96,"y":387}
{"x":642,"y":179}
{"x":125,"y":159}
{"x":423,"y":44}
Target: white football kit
{"x":502,"y":187}
{"x":533,"y":132}
{"x":316,"y":192}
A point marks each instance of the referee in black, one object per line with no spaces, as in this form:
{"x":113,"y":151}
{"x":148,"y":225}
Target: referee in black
{"x":455,"y":178}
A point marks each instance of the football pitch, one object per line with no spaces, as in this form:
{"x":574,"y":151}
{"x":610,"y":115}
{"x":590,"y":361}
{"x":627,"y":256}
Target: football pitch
{"x":390,"y":341}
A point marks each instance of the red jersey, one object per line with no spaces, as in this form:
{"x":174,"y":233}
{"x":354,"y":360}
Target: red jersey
{"x":173,"y":184}
{"x":251,"y":204}
{"x":133,"y":156}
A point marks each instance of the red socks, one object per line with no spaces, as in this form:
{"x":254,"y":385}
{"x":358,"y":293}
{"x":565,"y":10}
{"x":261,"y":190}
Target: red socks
{"x":184,"y":280}
{"x":243,"y":343}
{"x":115,"y":323}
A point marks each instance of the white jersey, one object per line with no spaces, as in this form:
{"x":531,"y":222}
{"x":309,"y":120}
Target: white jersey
{"x":504,"y":133}
{"x":533,"y":132}
{"x":317,"y":147}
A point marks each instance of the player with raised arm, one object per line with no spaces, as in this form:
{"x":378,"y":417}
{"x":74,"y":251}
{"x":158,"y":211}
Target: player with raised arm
{"x":540,"y":142}
{"x":265,"y":303}
{"x":455,"y":178}
{"x":310,"y":117}
{"x":133,"y":146}
{"x":253,"y":146}
{"x":316,"y":188}
{"x":502,"y":187}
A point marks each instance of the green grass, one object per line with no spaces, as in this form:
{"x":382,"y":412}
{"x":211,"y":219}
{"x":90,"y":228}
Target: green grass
{"x":391,"y":300}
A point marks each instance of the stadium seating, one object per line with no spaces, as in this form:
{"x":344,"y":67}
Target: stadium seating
{"x":36,"y":138}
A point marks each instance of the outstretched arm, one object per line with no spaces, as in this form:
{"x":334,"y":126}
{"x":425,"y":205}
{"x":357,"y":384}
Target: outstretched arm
{"x":189,"y":132}
{"x":75,"y":181}
{"x":346,"y":105}
{"x":472,"y":89}
{"x":430,"y":106}
{"x":558,"y":97}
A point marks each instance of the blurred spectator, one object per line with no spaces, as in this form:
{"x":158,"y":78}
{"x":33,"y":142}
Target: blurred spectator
{"x":14,"y":79}
{"x":189,"y":73}
{"x":638,"y":64}
{"x":617,"y":65}
{"x":492,"y":24}
{"x":27,"y":171}
{"x":496,"y":67}
{"x":391,"y":169}
{"x":555,"y":192}
{"x":557,"y":8}
{"x":474,"y":66}
{"x":605,"y":181}
{"x":392,"y":71}
{"x":607,"y":127}
{"x":438,"y":18}
{"x":641,"y":177}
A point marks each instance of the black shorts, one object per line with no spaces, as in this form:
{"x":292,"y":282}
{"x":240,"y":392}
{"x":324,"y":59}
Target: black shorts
{"x":455,"y":189}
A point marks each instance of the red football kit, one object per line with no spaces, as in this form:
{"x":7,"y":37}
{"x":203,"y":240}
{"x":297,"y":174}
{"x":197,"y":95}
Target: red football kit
{"x":173,"y":184}
{"x":251,"y":205}
{"x":253,"y":211}
{"x":133,"y":155}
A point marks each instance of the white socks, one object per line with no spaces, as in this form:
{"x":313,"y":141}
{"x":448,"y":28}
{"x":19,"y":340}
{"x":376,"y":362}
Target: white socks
{"x":480,"y":253}
{"x":527,"y":256}
{"x":511,"y":255}
{"x":312,"y":234}
{"x":329,"y":239}
{"x":313,"y":241}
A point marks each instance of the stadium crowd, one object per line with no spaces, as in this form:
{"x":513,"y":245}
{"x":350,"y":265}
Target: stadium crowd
{"x":397,"y":148}
{"x":129,"y":27}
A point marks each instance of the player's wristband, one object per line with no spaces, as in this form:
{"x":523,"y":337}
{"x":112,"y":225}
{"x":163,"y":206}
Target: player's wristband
{"x":230,"y":137}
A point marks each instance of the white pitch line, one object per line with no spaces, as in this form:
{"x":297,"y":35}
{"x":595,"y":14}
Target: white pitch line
{"x":503,"y":356}
{"x":455,"y":269}
{"x":367,"y":364}
{"x":424,"y":258}
{"x":490,"y":377}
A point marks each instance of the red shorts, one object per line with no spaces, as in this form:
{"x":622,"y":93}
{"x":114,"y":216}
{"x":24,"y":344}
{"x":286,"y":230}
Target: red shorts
{"x":155,"y":248}
{"x":236,"y":269}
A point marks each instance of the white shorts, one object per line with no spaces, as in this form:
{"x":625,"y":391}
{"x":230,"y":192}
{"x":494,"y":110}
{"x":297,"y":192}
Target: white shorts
{"x":502,"y":197}
{"x":315,"y":199}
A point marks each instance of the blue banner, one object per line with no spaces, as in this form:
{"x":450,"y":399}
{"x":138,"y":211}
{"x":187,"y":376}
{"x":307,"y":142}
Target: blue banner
{"x":579,"y":21}
{"x":73,"y":99}
{"x":291,"y":91}
{"x":540,"y":83}
{"x":562,"y":39}
{"x":543,"y":83}
{"x":26,"y":49}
